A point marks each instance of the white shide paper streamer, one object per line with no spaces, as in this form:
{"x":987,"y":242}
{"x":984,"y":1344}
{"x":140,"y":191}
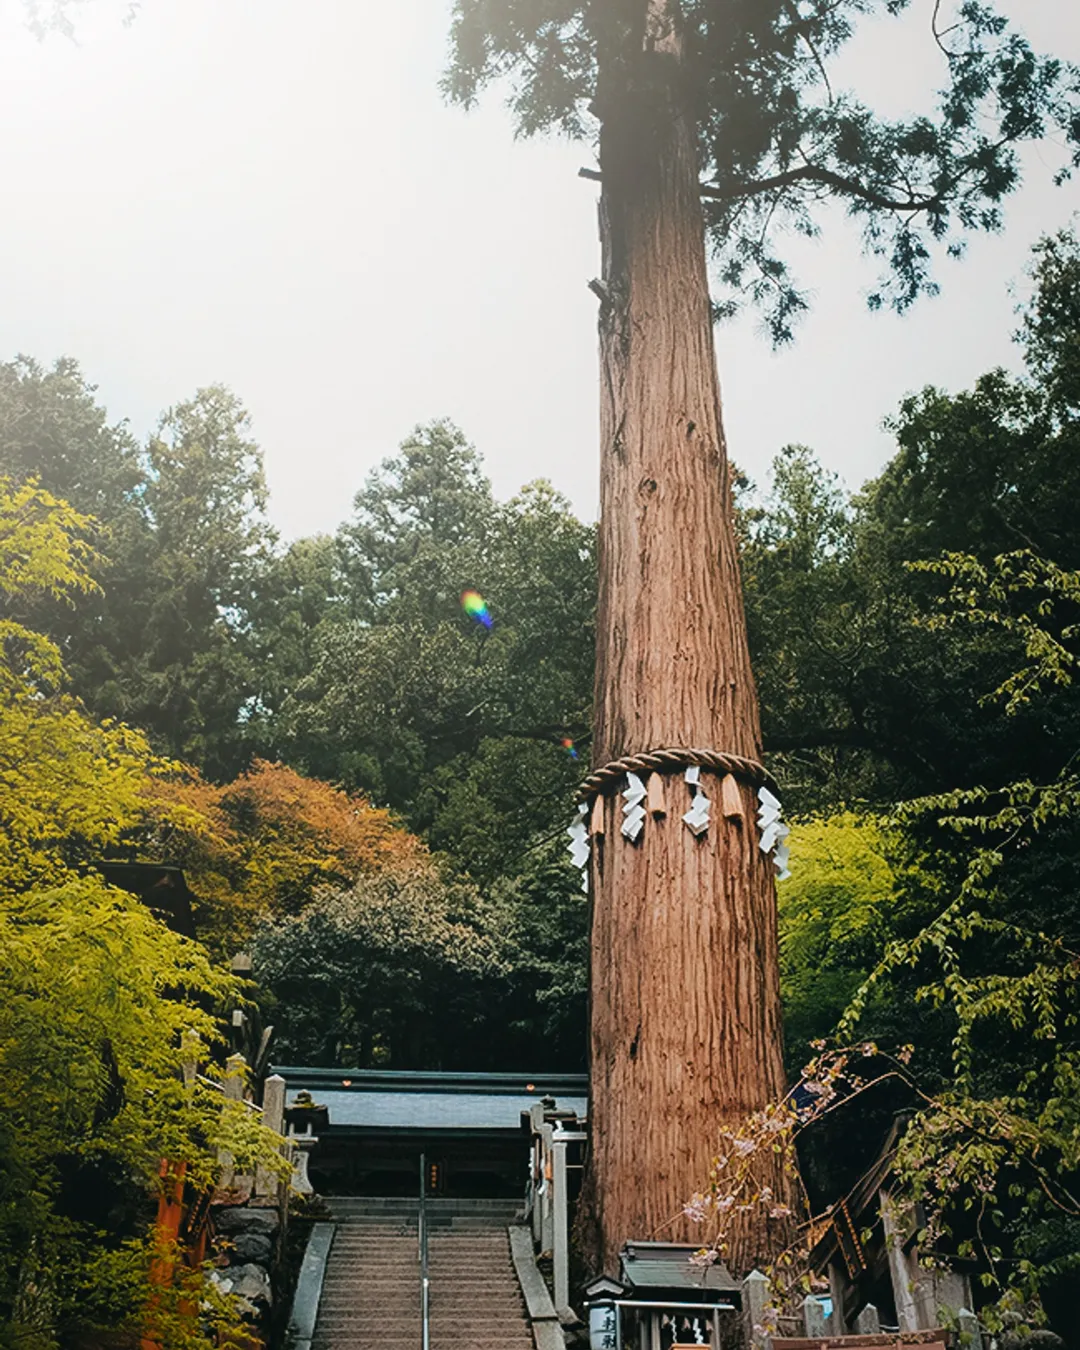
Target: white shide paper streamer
{"x":697,"y":818}
{"x":633,"y":811}
{"x":774,"y":832}
{"x":579,"y":845}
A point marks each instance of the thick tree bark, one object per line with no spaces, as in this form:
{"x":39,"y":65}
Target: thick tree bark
{"x":685,"y":1019}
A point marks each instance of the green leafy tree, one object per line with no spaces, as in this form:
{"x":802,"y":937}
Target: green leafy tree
{"x":206,"y":497}
{"x":392,"y":972}
{"x":545,"y":994}
{"x":94,"y":1039}
{"x":297,"y":594}
{"x":996,"y":959}
{"x":185,"y":548}
{"x":419,"y":523}
{"x":413,"y":701}
{"x":860,"y":700}
{"x":53,"y":429}
{"x":835,"y":913}
{"x":462,"y":728}
{"x":964,"y":906}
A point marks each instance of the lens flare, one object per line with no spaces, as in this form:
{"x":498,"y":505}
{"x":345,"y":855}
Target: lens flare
{"x":568,"y":745}
{"x":474,"y":605}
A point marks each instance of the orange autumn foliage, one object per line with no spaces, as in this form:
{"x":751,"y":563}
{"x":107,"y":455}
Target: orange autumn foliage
{"x":260,"y":846}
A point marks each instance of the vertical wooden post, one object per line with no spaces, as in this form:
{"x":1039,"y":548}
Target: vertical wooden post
{"x":167,"y":1224}
{"x":560,"y":1224}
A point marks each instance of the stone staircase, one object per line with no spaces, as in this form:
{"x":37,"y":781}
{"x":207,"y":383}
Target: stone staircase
{"x":371,"y":1291}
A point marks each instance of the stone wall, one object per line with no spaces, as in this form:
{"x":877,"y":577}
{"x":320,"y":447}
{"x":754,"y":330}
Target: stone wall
{"x":248,"y":1216}
{"x":246,"y":1244}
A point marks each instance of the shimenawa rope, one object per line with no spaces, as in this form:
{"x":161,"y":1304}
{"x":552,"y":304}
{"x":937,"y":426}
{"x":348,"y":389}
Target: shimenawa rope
{"x":670,"y":761}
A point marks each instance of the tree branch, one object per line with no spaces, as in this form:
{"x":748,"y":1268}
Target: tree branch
{"x":811,"y":173}
{"x":940,"y":33}
{"x":799,"y":26}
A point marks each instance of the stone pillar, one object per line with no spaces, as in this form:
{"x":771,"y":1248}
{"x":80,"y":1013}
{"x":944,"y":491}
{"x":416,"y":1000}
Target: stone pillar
{"x":536,"y":1172}
{"x":274,"y":1102}
{"x":867,"y":1321}
{"x":922,"y":1295}
{"x":267,"y":1184}
{"x":536,"y":1181}
{"x":233,"y":1087}
{"x":939,"y":1292}
{"x":235,"y":1077}
{"x":547,"y":1210}
{"x":900,"y":1271}
{"x":755,"y":1298}
{"x":815,"y":1322}
{"x":560,"y":1228}
{"x":967,"y":1324}
{"x":838,"y":1283}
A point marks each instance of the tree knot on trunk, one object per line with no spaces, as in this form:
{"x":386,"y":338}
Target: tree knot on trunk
{"x":671,"y":760}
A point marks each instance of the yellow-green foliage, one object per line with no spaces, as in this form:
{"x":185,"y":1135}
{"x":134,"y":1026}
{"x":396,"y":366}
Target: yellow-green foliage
{"x":833,"y":913}
{"x":101,"y":1006}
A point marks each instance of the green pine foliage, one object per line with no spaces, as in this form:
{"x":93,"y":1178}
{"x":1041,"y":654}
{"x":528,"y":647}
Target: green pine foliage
{"x":778,"y":138}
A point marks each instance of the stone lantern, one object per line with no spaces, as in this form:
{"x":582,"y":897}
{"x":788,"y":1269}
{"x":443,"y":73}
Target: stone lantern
{"x":304,"y":1119}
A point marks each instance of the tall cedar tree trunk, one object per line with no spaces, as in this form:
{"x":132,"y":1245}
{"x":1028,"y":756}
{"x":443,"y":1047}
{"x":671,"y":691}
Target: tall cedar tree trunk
{"x":686,"y":1033}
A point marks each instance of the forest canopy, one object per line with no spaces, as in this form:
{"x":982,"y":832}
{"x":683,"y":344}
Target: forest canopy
{"x":367,"y":786}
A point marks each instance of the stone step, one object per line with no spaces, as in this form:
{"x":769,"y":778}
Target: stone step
{"x":373,"y":1328}
{"x":378,"y":1331}
{"x":431,"y":1202}
{"x":344,"y":1212}
{"x":439,"y":1223}
{"x":402,"y":1339}
{"x":360,"y":1278}
{"x":352,"y":1252}
{"x":447,"y":1228}
{"x":471,"y":1280}
{"x":371,"y":1296}
{"x":346,"y":1298}
{"x":347,"y":1253}
{"x":488,"y":1260}
{"x":461,"y":1340}
{"x":373,"y":1316}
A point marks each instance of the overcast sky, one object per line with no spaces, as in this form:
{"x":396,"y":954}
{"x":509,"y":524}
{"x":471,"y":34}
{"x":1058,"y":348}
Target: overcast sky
{"x":271,"y":194}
